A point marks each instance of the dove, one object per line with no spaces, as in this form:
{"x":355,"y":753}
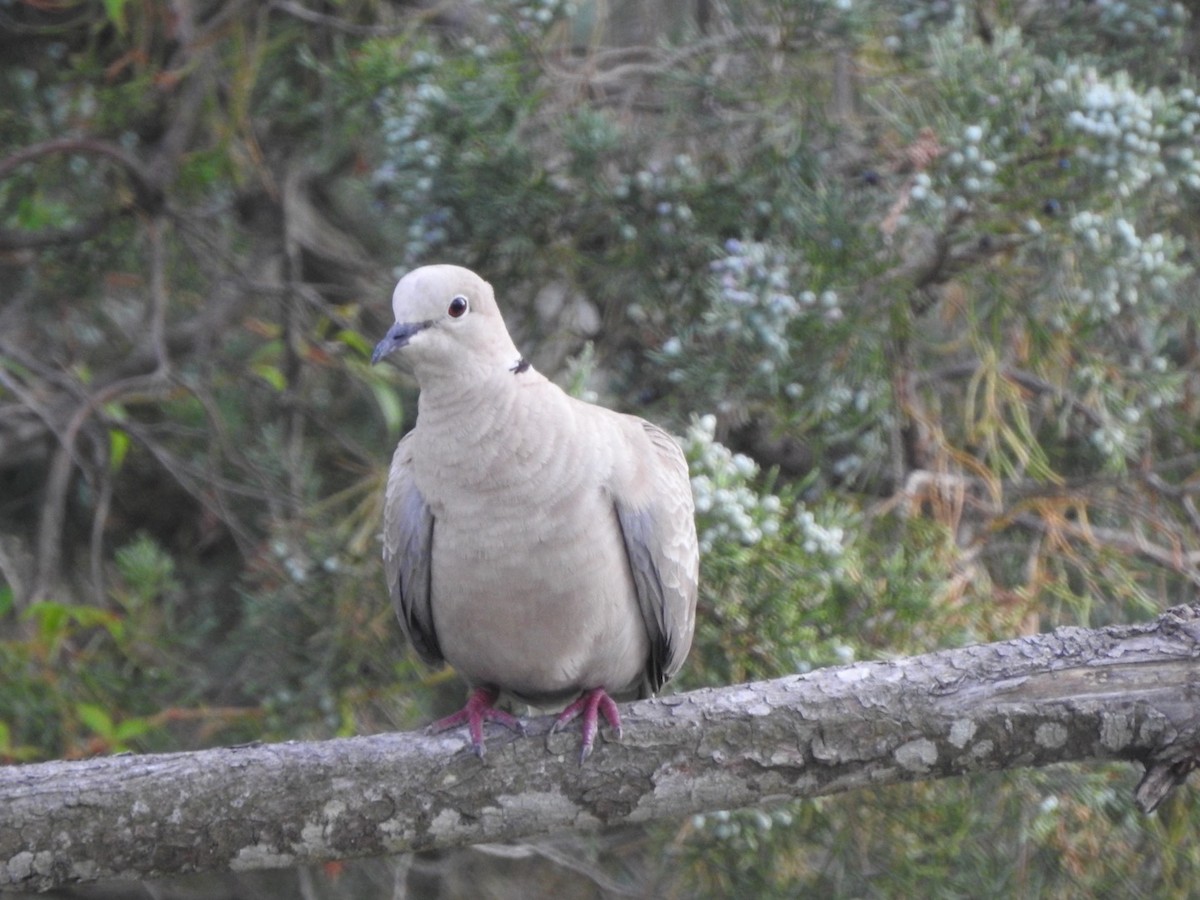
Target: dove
{"x":542,"y":546}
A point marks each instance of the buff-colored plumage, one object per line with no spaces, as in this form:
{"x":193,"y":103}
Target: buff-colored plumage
{"x":543,"y":546}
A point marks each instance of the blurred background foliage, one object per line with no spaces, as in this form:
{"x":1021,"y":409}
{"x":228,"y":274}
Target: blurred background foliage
{"x":914,"y":282}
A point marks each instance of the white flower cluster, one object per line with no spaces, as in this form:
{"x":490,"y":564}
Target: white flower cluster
{"x":1182,"y":128}
{"x":1149,"y":384}
{"x":918,"y":18}
{"x":838,"y":399}
{"x":1123,"y":406}
{"x":817,"y":538}
{"x":922,"y":193}
{"x":408,"y":110}
{"x":975,"y":169}
{"x":1125,"y":267}
{"x":726,"y":825}
{"x":752,"y":305}
{"x":414,"y":155}
{"x":660,"y":187}
{"x":969,"y":172}
{"x":1134,"y":137}
{"x":1116,"y":441}
{"x":1125,"y":128}
{"x":754,"y":296}
{"x":295,"y":563}
{"x":1141,"y":21}
{"x":530,"y":14}
{"x":727,"y":507}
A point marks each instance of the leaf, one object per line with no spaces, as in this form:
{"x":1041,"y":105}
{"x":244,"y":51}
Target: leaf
{"x":115,"y":9}
{"x":11,"y":365}
{"x":14,"y":753}
{"x":118,"y":446}
{"x":355,"y":342}
{"x":271,"y":374}
{"x":132,"y":728}
{"x":96,"y":719}
{"x":389,"y":405}
{"x":115,"y":411}
{"x":53,"y":619}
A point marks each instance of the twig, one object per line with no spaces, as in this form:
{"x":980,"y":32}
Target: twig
{"x":1019,"y":377}
{"x":304,"y":14}
{"x":50,"y":528}
{"x":1183,"y":562}
{"x":158,"y":295}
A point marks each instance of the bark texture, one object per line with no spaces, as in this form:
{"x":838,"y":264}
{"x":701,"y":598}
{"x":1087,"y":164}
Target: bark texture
{"x":1124,"y":693}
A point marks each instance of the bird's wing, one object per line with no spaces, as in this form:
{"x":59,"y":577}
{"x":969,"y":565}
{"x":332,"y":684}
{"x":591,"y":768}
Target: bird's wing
{"x":658,"y":526}
{"x":407,"y":550}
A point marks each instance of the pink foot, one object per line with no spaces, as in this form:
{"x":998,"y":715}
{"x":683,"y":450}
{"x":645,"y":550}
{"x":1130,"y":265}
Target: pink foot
{"x":479,"y":709}
{"x":589,"y":708}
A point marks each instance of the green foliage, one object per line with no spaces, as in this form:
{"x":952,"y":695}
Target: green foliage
{"x":1014,"y":835}
{"x":147,"y":574}
{"x":82,"y":679}
{"x":52,"y":674}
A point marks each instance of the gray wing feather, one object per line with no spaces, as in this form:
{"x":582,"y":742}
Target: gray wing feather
{"x":407,"y":549}
{"x":660,"y":540}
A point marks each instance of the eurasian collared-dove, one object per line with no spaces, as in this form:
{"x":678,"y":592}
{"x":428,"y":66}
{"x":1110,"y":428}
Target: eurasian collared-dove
{"x":543,"y":546}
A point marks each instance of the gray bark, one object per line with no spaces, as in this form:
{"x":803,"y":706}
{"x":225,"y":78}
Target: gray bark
{"x":1119,"y":693}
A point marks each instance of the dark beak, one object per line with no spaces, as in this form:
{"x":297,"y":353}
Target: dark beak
{"x":397,"y":336}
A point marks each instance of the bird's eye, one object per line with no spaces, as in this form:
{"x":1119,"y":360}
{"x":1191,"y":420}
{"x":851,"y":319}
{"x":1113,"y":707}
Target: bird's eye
{"x":458,"y":307}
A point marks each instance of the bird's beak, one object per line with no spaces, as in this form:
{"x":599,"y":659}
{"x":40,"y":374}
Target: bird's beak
{"x":397,"y":336}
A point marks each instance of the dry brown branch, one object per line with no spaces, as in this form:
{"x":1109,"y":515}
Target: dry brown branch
{"x":1173,"y":558}
{"x":1026,"y":380}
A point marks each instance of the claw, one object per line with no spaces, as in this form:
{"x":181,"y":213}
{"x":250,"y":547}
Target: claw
{"x":480,"y":708}
{"x":588,"y":709}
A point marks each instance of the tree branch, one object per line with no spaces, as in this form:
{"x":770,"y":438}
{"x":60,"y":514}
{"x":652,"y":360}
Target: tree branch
{"x":1119,"y":693}
{"x":337,"y":23}
{"x":147,"y":193}
{"x":1175,"y":558}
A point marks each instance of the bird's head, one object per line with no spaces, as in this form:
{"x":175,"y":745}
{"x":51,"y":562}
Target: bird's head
{"x":446,"y":320}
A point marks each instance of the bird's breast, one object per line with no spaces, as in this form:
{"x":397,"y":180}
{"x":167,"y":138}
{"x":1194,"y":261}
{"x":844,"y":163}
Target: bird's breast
{"x":531,"y":586}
